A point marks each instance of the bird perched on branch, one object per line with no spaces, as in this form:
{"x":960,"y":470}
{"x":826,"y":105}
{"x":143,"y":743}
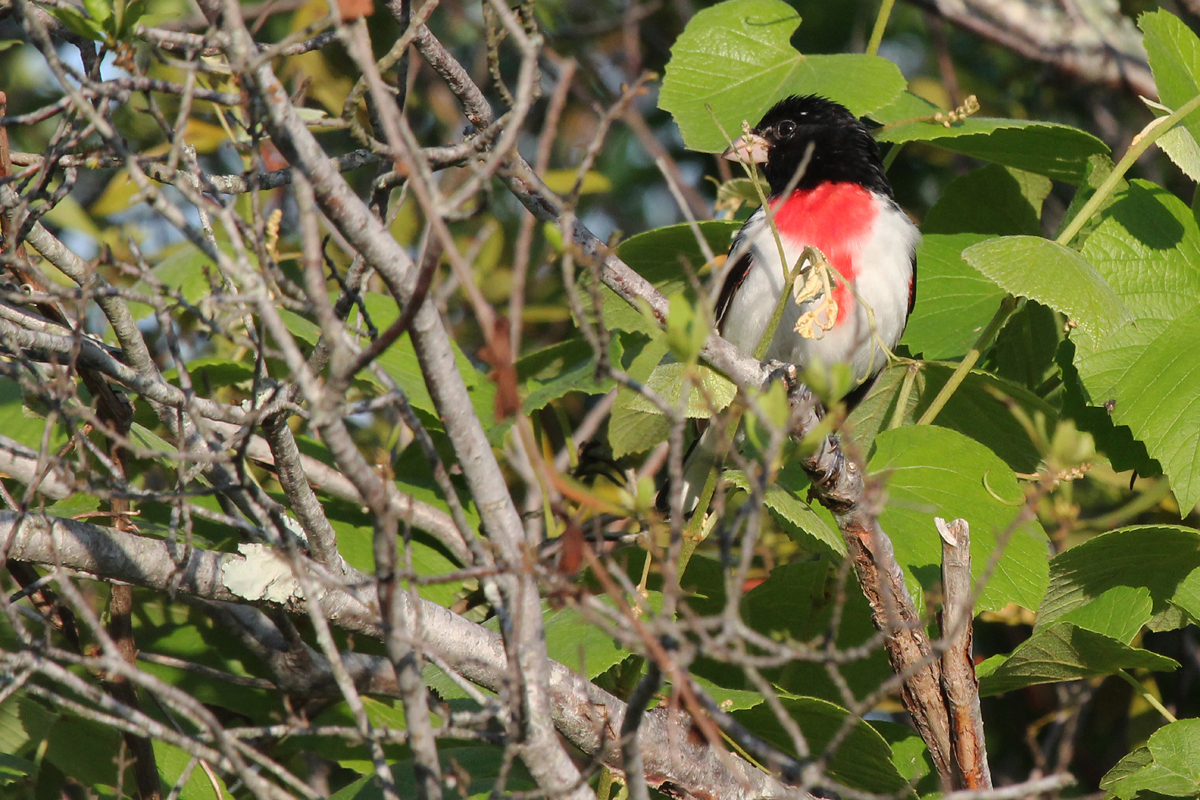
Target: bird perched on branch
{"x":850,"y":301}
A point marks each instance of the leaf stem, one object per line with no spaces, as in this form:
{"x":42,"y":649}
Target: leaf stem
{"x":1154,"y":702}
{"x":1141,"y":142}
{"x":910,"y":377}
{"x":885,"y":11}
{"x":1007,"y":307}
{"x":891,"y":155}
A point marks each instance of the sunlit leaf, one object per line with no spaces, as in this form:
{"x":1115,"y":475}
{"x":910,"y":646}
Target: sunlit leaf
{"x":734,"y":60}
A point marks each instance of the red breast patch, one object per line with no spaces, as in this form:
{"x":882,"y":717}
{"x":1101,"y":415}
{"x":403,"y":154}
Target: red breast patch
{"x":835,"y":217}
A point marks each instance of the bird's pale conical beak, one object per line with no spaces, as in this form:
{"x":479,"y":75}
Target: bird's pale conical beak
{"x":748,"y":149}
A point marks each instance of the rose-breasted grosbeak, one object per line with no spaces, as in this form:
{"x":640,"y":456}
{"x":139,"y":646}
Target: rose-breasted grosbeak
{"x":828,"y":190}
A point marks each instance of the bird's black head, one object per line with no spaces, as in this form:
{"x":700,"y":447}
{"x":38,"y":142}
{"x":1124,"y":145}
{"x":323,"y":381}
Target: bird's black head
{"x":842,"y":149}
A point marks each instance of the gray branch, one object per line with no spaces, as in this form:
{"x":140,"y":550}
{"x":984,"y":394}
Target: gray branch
{"x":1090,"y":41}
{"x":588,"y":717}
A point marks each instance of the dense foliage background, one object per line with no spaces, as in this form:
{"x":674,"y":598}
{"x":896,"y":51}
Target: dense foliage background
{"x":332,"y":418}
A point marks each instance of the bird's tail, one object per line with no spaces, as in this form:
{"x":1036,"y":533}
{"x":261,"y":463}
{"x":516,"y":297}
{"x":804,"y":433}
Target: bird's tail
{"x":704,"y":454}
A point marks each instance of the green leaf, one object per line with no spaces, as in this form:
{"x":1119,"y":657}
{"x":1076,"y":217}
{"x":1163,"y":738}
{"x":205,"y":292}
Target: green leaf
{"x":861,"y":760}
{"x":632,"y":430}
{"x":1158,"y":401}
{"x":687,"y":328}
{"x":714,"y":393}
{"x":1174,"y":55}
{"x":736,"y":57}
{"x":187,"y":271}
{"x":1046,"y":148}
{"x":977,"y":410}
{"x":730,"y":699}
{"x":993,"y":199}
{"x":1167,"y":765}
{"x":659,"y":256}
{"x":1099,"y":168}
{"x":738,"y":192}
{"x":401,"y":363}
{"x":935,"y":472}
{"x":1025,"y":349}
{"x":15,"y":770}
{"x":1187,"y":595}
{"x":191,"y":635}
{"x":1030,"y":266}
{"x":21,"y":422}
{"x":302,"y":329}
{"x":568,"y":366}
{"x":1063,"y":652}
{"x":585,"y":647}
{"x":954,"y":301}
{"x":1130,"y":764}
{"x":909,"y":754}
{"x":788,"y":599}
{"x":1115,"y":441}
{"x":561,"y":181}
{"x":209,"y":373}
{"x":85,"y":750}
{"x":1146,"y":248}
{"x":1119,"y":612}
{"x":842,"y":615}
{"x":355,"y":541}
{"x":480,"y":764}
{"x":1178,"y":143}
{"x":99,"y":10}
{"x":1156,"y":557}
{"x":797,"y":518}
{"x":383,"y":713}
{"x":171,"y":762}
{"x":24,"y":723}
{"x":78,"y":23}
{"x":571,"y":639}
{"x":133,"y":14}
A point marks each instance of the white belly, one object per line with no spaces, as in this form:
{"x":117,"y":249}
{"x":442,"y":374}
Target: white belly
{"x":865,"y":331}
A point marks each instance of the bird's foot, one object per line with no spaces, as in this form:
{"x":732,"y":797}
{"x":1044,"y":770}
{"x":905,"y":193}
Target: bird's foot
{"x":789,"y":374}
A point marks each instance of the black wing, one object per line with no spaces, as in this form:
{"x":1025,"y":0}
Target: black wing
{"x":735,"y":276}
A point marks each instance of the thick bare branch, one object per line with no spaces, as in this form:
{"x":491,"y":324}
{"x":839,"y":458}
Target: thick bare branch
{"x":590,"y":718}
{"x":1096,"y":43}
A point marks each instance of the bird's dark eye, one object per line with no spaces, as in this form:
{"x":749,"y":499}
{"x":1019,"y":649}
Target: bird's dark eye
{"x":787,"y":128}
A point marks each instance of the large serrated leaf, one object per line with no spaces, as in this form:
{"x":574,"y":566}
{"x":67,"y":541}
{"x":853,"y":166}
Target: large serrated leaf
{"x":1158,"y":399}
{"x":660,"y":256}
{"x":1054,"y":275}
{"x":1047,"y":148}
{"x":1064,"y":652}
{"x":954,"y":301}
{"x":736,"y":59}
{"x":1167,"y":765}
{"x":935,"y":472}
{"x":1119,"y":612}
{"x":1157,"y":558}
{"x":713,"y":393}
{"x":860,"y":759}
{"x":565,"y":367}
{"x":796,"y":516}
{"x":993,"y":200}
{"x":1147,"y":248}
{"x":1174,"y":55}
{"x":978,"y":410}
